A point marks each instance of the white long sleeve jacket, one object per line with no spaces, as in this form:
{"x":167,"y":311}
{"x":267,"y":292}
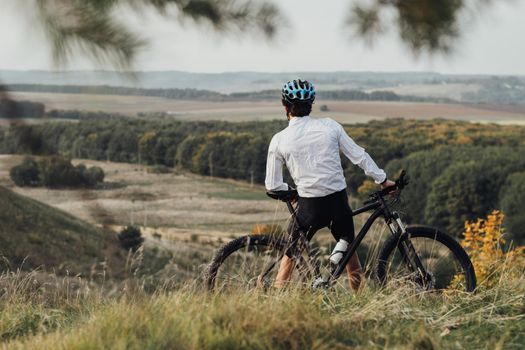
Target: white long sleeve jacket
{"x":310,"y":149}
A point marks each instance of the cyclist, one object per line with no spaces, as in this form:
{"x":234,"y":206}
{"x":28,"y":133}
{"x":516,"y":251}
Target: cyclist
{"x":310,"y":150}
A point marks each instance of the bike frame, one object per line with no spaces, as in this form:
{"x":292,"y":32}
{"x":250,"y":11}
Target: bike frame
{"x":379,"y":208}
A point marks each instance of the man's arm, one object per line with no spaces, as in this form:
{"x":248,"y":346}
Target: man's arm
{"x":358,"y":156}
{"x":274,"y":168}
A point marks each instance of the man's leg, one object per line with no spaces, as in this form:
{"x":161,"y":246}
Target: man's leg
{"x":307,"y":222}
{"x":285,"y":272}
{"x":355,"y":273}
{"x":342,"y":226}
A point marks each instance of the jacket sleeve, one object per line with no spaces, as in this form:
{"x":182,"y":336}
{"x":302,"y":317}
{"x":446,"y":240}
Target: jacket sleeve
{"x":274,"y":168}
{"x":358,"y":156}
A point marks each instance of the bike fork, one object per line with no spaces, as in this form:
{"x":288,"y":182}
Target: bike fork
{"x":407,"y":250}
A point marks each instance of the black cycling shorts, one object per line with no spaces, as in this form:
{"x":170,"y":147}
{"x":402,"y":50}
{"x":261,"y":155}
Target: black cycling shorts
{"x":332,"y":211}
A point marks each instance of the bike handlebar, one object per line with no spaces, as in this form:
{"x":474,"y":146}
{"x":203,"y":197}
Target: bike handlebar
{"x":401,"y":182}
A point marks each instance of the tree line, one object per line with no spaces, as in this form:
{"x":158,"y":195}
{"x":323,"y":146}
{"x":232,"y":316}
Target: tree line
{"x":459,"y":170}
{"x":207,"y":95}
{"x":21,"y":109}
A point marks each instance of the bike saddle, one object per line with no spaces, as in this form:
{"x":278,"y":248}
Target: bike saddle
{"x":284,"y":196}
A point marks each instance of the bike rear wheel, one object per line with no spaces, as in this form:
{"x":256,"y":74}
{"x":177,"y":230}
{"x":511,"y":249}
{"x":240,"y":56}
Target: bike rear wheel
{"x":443,"y":258}
{"x":251,"y":262}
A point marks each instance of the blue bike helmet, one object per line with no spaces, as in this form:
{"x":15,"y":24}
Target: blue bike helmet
{"x":298,"y":91}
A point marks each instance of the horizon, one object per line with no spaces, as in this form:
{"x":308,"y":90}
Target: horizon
{"x":124,"y":72}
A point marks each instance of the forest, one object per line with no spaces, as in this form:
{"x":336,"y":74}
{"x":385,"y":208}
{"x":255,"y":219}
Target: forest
{"x":459,"y":170}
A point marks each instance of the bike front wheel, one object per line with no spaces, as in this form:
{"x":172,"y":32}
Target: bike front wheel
{"x":446,"y":264}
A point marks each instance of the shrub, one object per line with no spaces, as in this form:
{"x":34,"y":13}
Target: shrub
{"x":130,"y":237}
{"x":483,"y":240}
{"x":25,"y":174}
{"x":512,"y":202}
{"x":55,"y":172}
{"x":93,"y":176}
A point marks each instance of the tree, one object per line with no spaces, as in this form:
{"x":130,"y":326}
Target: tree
{"x":469,"y":189}
{"x":25,"y":174}
{"x":93,"y":176}
{"x":55,"y":172}
{"x":92,"y":26}
{"x":130,"y":237}
{"x":457,"y":196}
{"x":423,"y":25}
{"x":147,"y":143}
{"x":512,"y":203}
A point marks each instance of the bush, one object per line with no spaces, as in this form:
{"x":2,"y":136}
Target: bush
{"x":25,"y":174}
{"x":483,"y":241}
{"x":58,"y":172}
{"x":55,"y":172}
{"x":93,"y":176}
{"x":512,"y":202}
{"x":130,"y":237}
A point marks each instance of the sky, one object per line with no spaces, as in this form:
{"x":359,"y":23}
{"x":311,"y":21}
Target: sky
{"x":314,"y":39}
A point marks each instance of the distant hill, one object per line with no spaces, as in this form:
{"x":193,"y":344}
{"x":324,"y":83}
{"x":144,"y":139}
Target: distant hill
{"x":33,"y":234}
{"x":220,"y":82}
{"x":466,"y":88}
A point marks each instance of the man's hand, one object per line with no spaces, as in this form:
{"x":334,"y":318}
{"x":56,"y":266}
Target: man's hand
{"x":387,"y":183}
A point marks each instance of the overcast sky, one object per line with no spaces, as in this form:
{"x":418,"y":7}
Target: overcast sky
{"x":315,"y":40}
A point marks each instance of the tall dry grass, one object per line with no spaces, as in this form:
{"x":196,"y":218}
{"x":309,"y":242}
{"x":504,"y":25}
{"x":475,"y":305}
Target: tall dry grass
{"x":46,"y":312}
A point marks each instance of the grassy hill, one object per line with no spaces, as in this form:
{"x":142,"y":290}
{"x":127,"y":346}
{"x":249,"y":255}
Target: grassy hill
{"x":33,"y":234}
{"x":392,"y":318}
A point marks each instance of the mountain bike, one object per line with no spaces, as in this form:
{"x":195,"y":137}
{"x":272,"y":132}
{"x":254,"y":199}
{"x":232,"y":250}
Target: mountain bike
{"x":421,"y":256}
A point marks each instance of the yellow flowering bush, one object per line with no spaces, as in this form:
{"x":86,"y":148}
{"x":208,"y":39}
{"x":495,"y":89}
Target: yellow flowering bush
{"x":483,"y":240}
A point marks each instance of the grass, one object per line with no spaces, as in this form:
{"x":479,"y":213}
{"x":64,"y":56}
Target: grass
{"x":233,"y":190}
{"x":33,"y":234}
{"x":160,"y":304}
{"x":58,"y":315}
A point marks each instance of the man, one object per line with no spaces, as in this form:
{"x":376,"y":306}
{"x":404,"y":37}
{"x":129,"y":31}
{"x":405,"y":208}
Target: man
{"x":310,"y":149}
